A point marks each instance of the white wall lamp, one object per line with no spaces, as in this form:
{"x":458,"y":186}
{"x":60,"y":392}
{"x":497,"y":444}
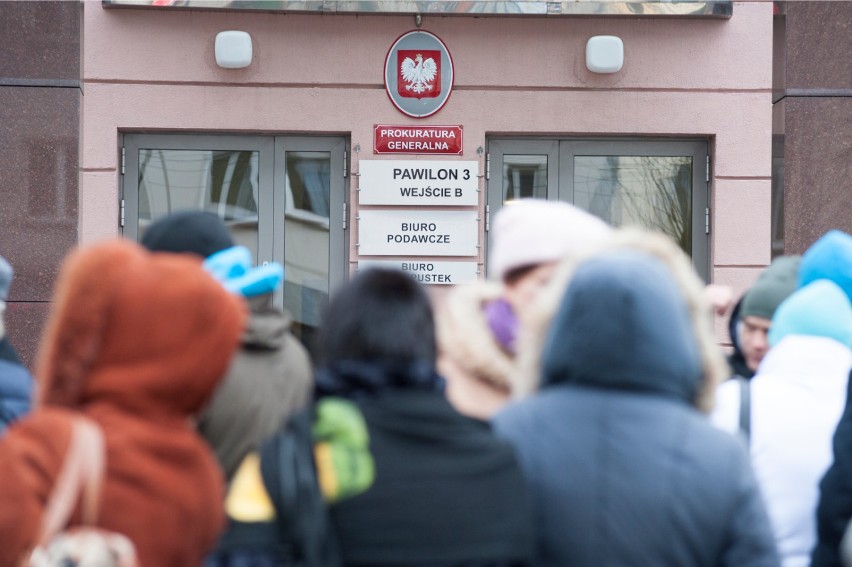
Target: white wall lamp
{"x":604,"y":54}
{"x":233,"y":49}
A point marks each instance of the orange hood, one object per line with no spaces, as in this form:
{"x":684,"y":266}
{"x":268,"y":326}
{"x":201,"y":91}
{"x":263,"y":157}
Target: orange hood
{"x":147,"y":333}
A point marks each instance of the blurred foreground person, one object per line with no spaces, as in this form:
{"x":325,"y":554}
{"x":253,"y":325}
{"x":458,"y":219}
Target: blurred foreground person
{"x":625,"y":470}
{"x":136,"y":343}
{"x":446,"y":491}
{"x":16,"y":384}
{"x":796,"y":401}
{"x":830,"y":258}
{"x":270,"y":377}
{"x":479,"y":324}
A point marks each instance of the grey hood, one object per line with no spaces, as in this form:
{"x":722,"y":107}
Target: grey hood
{"x":623,"y":324}
{"x":537,"y":320}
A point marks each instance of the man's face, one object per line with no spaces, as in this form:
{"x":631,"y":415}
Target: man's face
{"x":753,"y":340}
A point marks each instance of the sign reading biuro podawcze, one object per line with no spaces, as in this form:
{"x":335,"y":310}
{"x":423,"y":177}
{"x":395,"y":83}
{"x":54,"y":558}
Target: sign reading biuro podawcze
{"x":419,"y":74}
{"x":444,"y":140}
{"x":417,"y":233}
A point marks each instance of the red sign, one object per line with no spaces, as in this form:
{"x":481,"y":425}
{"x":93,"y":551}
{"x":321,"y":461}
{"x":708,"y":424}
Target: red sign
{"x":389,"y":139}
{"x":419,"y":73}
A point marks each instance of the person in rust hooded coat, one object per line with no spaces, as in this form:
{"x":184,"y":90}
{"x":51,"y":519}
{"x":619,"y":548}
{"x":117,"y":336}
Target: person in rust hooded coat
{"x":137,"y":342}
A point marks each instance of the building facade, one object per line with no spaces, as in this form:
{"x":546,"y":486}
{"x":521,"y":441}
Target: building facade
{"x":327,"y":153}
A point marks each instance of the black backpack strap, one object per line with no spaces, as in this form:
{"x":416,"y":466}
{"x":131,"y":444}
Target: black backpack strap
{"x":745,"y":408}
{"x":289,"y":473}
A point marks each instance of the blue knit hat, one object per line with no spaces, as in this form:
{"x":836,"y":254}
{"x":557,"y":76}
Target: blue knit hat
{"x":829,"y":258}
{"x":819,"y":309}
{"x":233,"y":268}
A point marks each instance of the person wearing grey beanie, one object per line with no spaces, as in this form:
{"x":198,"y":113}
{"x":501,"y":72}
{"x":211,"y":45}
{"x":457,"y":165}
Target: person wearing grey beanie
{"x":751,"y":320}
{"x":16,"y":383}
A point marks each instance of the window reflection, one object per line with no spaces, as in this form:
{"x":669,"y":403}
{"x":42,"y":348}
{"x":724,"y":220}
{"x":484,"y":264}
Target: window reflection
{"x":223,"y":182}
{"x":307,"y":240}
{"x":654,"y":192}
{"x":524,"y":176}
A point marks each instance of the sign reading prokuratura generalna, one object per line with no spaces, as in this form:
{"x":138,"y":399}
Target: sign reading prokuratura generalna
{"x":419,"y":74}
{"x":445,"y":140}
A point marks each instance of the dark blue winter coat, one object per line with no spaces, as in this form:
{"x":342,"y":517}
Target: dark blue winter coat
{"x":623,"y":469}
{"x":15,"y":386}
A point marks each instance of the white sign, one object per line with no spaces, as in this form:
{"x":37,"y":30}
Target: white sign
{"x":417,"y":233}
{"x":418,"y":183}
{"x":439,"y":273}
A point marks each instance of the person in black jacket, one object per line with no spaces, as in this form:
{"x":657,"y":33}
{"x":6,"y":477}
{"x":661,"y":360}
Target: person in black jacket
{"x":830,"y":257}
{"x":446,"y":491}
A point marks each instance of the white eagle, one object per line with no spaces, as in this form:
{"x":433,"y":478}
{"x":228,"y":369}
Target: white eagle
{"x":418,"y":75}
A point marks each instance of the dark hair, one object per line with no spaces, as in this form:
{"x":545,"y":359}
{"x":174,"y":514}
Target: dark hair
{"x":381,"y":314}
{"x":197,"y":232}
{"x":513,"y":276}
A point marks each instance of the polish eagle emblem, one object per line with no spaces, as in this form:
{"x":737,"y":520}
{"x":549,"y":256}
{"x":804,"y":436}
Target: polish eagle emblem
{"x":419,"y":74}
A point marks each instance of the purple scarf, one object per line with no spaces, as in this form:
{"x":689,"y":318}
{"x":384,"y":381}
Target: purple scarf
{"x":503,"y":323}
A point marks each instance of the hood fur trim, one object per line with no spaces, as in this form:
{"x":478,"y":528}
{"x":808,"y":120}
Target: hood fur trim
{"x":465,"y":337}
{"x":537,"y":320}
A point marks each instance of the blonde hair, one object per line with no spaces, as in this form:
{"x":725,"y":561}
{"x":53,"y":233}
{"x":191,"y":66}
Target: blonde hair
{"x":536,"y":321}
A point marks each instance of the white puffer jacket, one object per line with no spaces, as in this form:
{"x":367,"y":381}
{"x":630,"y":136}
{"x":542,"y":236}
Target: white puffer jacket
{"x":797,"y":398}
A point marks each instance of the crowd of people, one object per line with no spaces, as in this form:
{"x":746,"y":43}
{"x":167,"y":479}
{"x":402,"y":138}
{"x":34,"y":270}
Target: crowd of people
{"x":575,"y":409}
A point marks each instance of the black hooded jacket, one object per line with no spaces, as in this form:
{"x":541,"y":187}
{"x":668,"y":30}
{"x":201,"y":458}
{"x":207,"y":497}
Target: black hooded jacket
{"x":736,"y":360}
{"x":834,"y":510}
{"x":447,"y":492}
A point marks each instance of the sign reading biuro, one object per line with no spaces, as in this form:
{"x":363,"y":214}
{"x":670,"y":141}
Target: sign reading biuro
{"x":418,"y":183}
{"x":417,"y":233}
{"x":419,"y":74}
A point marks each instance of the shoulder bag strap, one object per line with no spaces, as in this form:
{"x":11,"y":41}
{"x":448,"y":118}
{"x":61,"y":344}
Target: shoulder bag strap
{"x":745,"y":408}
{"x":81,"y":472}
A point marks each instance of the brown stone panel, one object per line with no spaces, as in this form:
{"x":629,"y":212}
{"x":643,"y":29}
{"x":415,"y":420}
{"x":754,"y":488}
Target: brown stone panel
{"x":817,"y":169}
{"x":39,"y":134}
{"x":24,"y":327}
{"x":818,"y":45}
{"x":41,"y":40}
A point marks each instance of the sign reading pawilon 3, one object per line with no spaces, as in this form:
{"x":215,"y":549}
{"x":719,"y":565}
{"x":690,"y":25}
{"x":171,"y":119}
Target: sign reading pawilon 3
{"x":418,"y":183}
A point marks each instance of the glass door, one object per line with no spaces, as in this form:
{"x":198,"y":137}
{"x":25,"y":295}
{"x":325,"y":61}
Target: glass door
{"x":280,"y":196}
{"x":660,"y":185}
{"x":309,"y":208}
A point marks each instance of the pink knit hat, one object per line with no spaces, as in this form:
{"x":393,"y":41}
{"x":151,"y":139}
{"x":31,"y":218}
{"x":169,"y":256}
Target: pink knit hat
{"x":534,"y":231}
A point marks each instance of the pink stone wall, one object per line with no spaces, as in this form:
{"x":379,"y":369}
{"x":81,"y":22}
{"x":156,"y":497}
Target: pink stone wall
{"x":154,"y":70}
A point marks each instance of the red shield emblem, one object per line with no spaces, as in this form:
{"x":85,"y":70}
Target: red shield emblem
{"x":418,"y":73}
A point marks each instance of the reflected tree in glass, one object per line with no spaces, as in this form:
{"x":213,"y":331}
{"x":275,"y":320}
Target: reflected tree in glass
{"x":654,"y":192}
{"x":307,"y":240}
{"x":222,"y":182}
